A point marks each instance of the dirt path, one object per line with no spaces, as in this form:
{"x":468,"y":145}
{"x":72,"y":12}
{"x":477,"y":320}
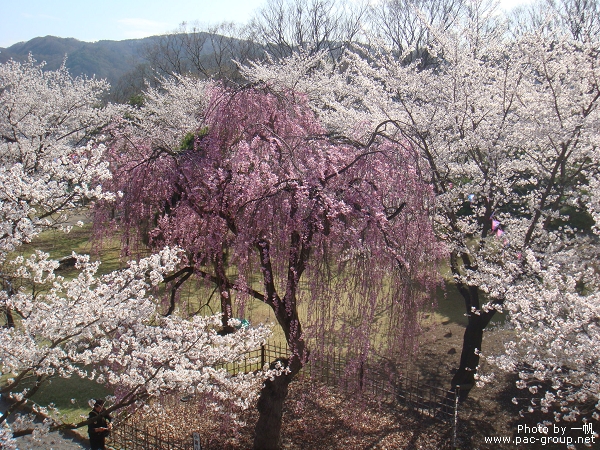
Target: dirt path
{"x":51,"y":441}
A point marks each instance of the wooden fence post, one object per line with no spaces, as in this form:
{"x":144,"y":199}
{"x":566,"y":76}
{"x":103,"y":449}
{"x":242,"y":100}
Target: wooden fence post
{"x":361,"y":375}
{"x":197,"y":444}
{"x":456,"y":396}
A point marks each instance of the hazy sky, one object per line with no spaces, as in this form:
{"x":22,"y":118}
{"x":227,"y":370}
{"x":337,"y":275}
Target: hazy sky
{"x":86,"y":20}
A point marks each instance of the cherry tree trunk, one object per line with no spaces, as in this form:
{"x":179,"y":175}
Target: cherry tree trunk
{"x":224,"y":293}
{"x":478,"y":320}
{"x":267,"y":432}
{"x":469,"y":358}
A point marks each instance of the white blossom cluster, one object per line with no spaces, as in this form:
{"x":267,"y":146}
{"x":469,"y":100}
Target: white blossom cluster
{"x":49,"y":162}
{"x":557,"y":337}
{"x":106,"y":328}
{"x":6,"y":438}
{"x":170,"y":111}
{"x":101,"y":327}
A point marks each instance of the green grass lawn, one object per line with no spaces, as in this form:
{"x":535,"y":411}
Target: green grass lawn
{"x":59,"y":244}
{"x":70,"y":396}
{"x":451,"y":307}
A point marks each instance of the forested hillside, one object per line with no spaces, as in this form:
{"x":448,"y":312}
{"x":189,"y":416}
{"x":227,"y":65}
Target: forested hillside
{"x":104,"y":59}
{"x":126,"y":64}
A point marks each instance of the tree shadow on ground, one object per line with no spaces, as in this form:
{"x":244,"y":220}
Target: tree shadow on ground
{"x":321,"y":418}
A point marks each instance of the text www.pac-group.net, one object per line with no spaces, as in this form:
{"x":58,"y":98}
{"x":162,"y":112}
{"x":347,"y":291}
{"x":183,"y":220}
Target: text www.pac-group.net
{"x":545,"y":435}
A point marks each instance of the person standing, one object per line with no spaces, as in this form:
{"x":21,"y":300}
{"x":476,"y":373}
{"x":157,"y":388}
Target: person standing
{"x":99,"y":427}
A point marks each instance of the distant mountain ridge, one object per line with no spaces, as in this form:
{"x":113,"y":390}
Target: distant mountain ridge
{"x":103,"y":59}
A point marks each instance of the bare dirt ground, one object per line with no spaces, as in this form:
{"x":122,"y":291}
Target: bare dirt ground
{"x":52,"y":441}
{"x":319,"y":417}
{"x":489,"y":411}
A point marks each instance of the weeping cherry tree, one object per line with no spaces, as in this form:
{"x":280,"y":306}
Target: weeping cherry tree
{"x":249,"y":179}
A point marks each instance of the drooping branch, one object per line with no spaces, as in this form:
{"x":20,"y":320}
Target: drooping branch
{"x":184,"y":273}
{"x":247,"y":290}
{"x":396,"y":211}
{"x":271,"y":297}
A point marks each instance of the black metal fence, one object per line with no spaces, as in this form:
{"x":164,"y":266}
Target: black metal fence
{"x":430,"y":401}
{"x":397,"y":388}
{"x":126,"y":436}
{"x":257,"y":359}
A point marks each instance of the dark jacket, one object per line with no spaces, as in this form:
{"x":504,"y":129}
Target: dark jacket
{"x":99,"y":422}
